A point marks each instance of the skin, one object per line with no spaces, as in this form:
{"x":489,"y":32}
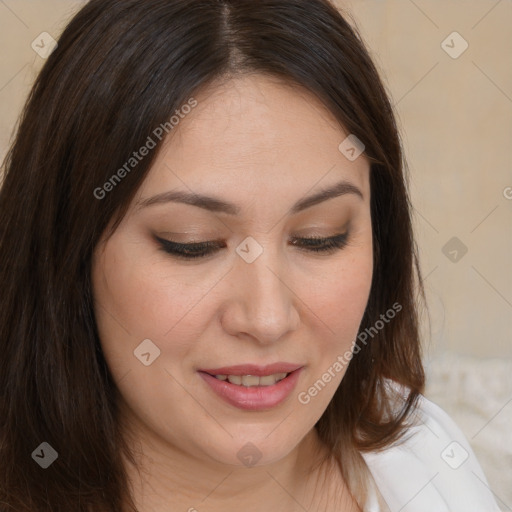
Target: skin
{"x":262,"y":145}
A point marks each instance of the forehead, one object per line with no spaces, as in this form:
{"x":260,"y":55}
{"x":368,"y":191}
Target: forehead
{"x":259,"y":111}
{"x":255,"y":134}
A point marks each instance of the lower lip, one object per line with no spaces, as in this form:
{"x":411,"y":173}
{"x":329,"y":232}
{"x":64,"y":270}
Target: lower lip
{"x":257,"y":398}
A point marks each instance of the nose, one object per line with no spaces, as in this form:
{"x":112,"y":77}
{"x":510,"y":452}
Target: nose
{"x":261,"y":303}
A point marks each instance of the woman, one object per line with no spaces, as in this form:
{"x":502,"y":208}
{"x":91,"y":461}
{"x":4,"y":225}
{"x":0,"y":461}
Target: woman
{"x":208,"y":274}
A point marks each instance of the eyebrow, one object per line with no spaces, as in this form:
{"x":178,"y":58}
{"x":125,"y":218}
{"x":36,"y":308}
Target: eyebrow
{"x":214,"y":204}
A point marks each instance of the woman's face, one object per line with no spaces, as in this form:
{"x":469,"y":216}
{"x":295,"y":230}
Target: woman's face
{"x":261,"y":297}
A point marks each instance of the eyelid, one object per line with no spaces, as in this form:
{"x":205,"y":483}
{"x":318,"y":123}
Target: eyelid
{"x":200,"y":250}
{"x":189,"y":245}
{"x":193,"y":243}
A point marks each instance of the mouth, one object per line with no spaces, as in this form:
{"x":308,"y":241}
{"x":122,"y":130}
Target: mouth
{"x":241,"y":370}
{"x":250,"y":387}
{"x":250,"y":381}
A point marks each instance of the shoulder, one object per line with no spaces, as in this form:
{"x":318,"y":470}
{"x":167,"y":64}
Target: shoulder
{"x":432,"y":469}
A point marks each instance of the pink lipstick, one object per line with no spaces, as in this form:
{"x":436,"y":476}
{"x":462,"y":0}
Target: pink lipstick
{"x":252,"y":387}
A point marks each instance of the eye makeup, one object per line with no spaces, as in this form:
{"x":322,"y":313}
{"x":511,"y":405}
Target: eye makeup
{"x":203,"y":249}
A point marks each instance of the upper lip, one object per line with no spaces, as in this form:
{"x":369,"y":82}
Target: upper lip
{"x":253,"y":369}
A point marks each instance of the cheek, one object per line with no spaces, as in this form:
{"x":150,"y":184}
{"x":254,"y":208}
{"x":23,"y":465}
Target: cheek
{"x":339,"y":298}
{"x":339,"y":302}
{"x":138,"y":298}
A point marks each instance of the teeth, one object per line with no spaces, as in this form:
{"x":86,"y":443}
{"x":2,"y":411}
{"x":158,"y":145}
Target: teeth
{"x":235,"y":379}
{"x":250,"y":381}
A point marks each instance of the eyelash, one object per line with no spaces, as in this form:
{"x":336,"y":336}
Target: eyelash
{"x":202,"y":249}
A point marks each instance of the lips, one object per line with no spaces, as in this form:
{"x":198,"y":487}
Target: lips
{"x":252,"y":369}
{"x":257,"y":397}
{"x":253,"y":398}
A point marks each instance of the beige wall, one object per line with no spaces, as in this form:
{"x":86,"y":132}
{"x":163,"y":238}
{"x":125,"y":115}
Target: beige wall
{"x":456,"y":118}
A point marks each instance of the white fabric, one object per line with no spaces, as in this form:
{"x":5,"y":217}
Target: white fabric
{"x":433,"y":470}
{"x":477,"y":393}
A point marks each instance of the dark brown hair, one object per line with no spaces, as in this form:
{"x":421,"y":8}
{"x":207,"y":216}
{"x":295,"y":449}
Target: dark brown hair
{"x":121,"y":69}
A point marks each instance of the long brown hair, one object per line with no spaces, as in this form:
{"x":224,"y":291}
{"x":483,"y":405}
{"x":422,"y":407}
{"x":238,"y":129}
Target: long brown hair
{"x":121,"y":69}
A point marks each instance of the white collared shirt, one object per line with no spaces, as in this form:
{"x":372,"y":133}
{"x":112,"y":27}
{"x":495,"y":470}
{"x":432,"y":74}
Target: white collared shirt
{"x":433,"y":470}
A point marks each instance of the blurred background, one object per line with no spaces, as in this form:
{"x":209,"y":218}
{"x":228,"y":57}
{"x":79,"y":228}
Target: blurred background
{"x":447,"y":65}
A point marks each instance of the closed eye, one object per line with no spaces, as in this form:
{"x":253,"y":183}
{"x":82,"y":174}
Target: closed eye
{"x":203,"y":249}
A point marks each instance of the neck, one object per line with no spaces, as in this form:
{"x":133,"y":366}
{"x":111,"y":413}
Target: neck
{"x":166,"y":476}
